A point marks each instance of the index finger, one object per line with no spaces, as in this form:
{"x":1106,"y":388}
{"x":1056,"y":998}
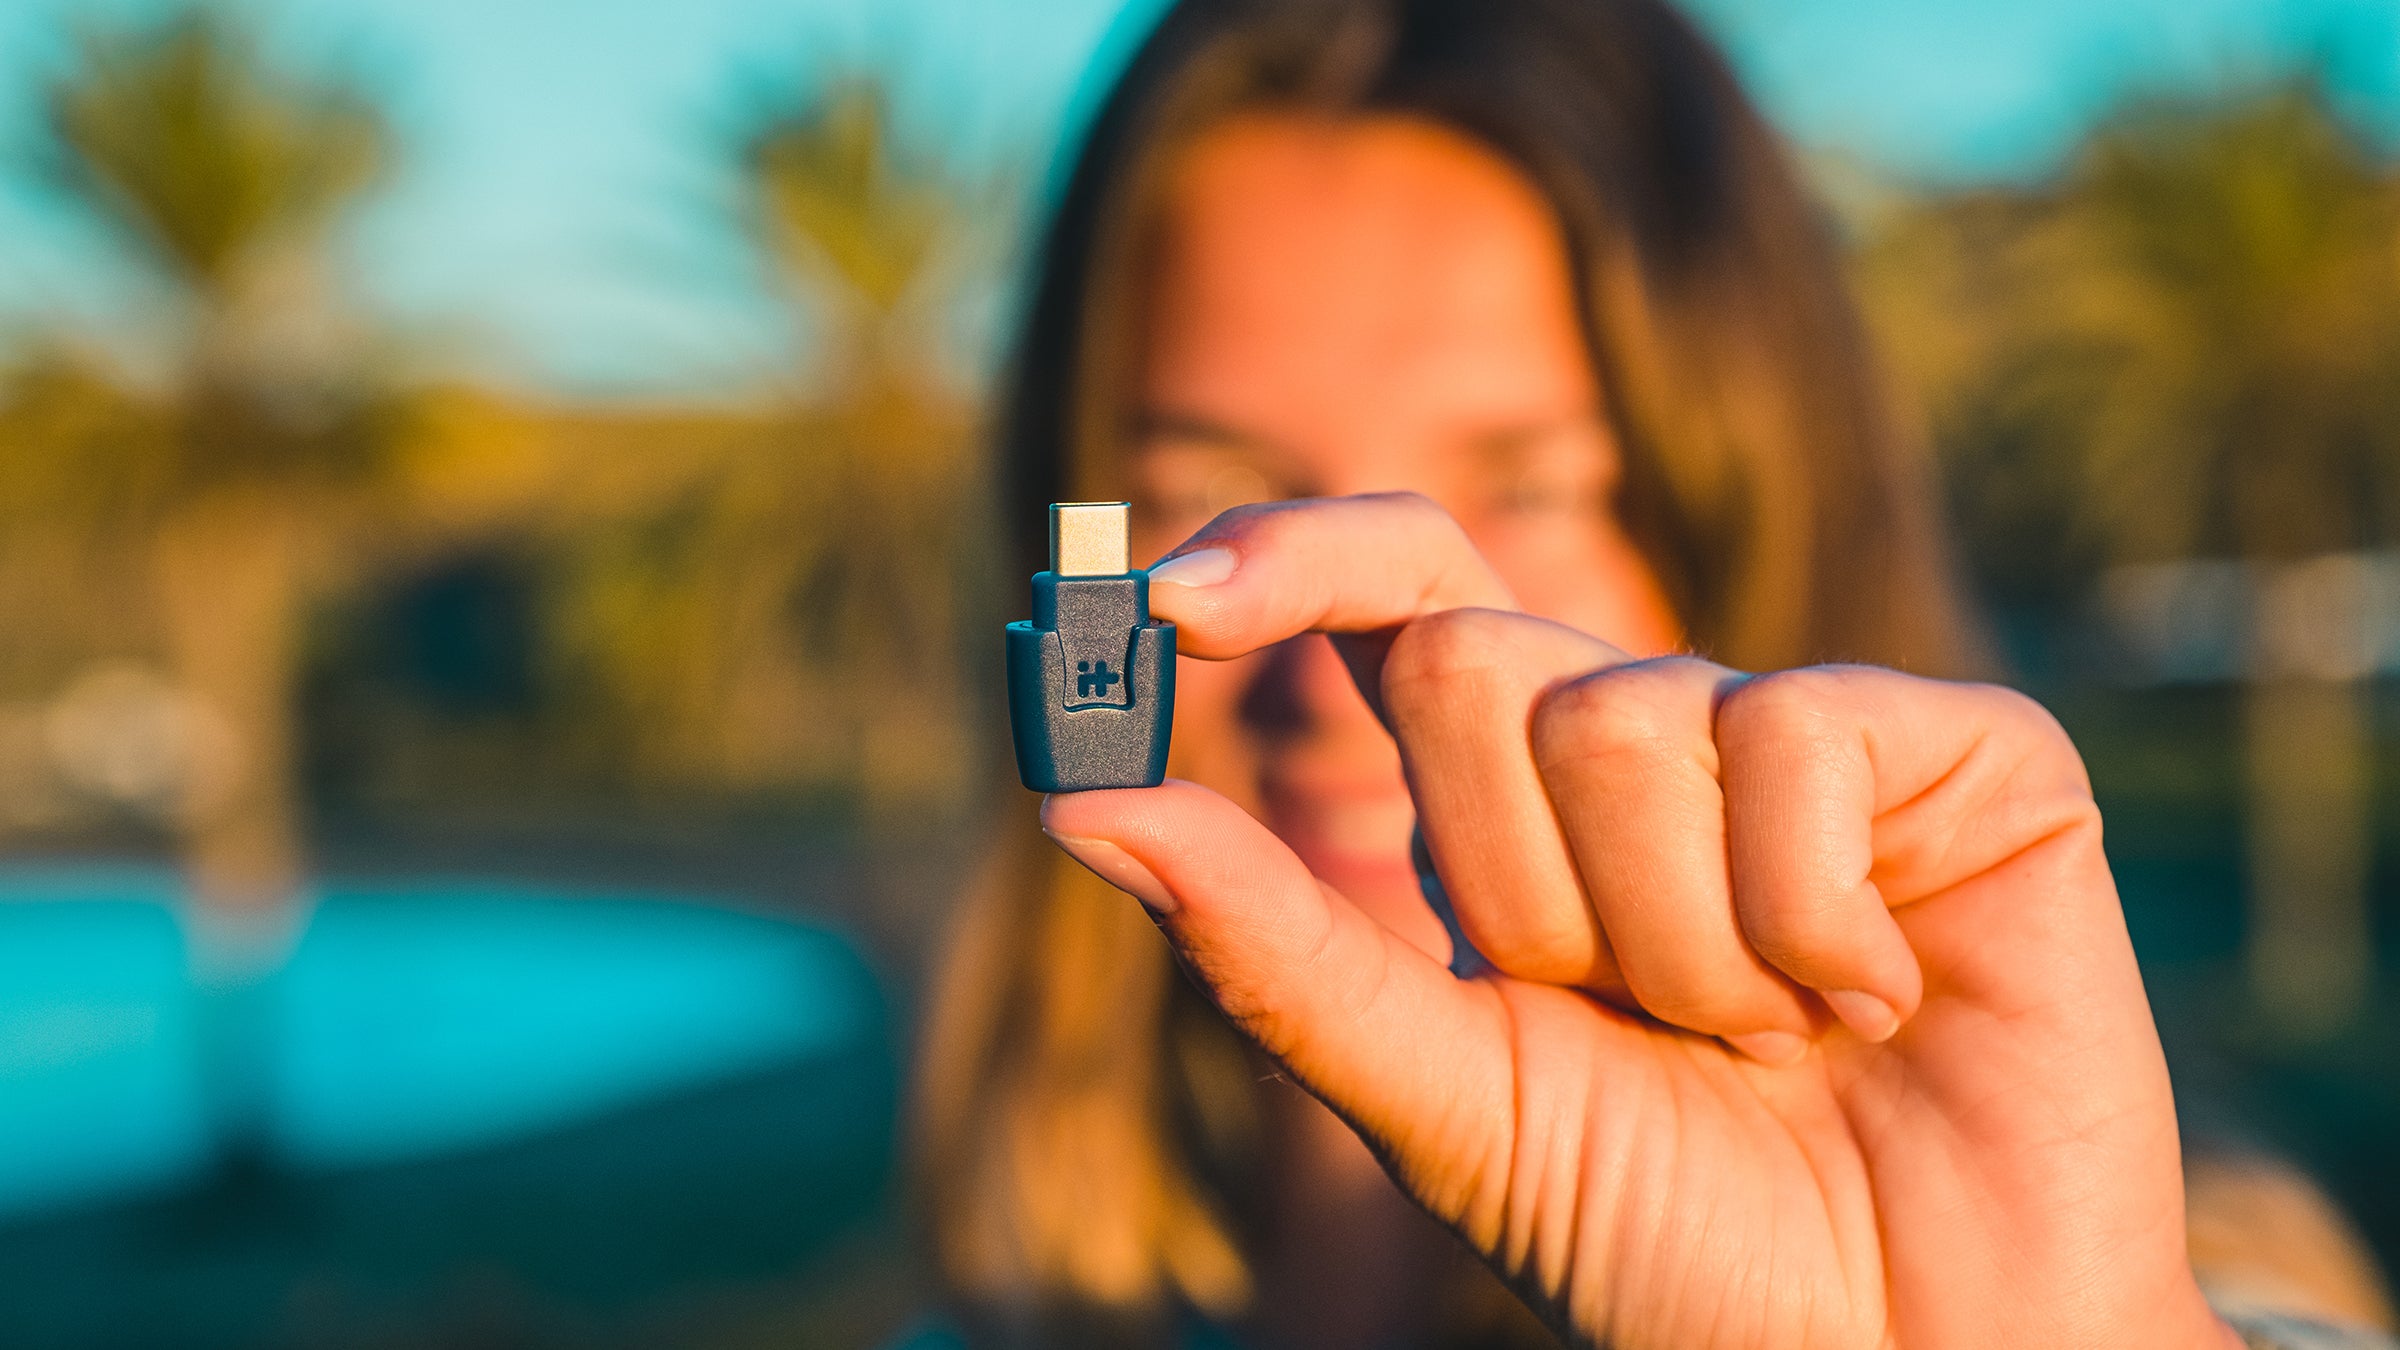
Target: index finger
{"x":1257,"y":575}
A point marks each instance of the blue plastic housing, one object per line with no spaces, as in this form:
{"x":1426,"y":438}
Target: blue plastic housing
{"x":1091,"y":685}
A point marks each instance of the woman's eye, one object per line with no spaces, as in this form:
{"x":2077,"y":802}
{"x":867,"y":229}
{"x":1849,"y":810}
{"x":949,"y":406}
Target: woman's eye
{"x":1539,"y":493}
{"x":1170,"y":507}
{"x":1237,"y":485}
{"x":1552,"y":472}
{"x":1172,"y":500}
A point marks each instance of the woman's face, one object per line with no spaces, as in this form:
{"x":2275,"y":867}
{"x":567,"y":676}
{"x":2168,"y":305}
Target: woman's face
{"x":1369,"y":305}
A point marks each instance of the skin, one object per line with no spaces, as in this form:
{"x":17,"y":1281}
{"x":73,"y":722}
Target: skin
{"x":1811,"y":1021}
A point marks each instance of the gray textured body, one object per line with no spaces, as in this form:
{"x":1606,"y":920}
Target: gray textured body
{"x":1091,"y":685}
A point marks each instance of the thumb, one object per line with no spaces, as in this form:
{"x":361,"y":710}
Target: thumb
{"x":1414,"y":1058}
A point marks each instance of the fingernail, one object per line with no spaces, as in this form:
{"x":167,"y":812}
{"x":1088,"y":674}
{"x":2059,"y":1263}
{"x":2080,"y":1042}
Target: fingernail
{"x":1775,"y":1049}
{"x":1200,"y":567}
{"x":1119,"y":869}
{"x":1870,"y":1017}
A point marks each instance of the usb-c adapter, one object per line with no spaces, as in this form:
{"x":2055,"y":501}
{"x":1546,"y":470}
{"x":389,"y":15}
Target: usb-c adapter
{"x":1091,"y":680}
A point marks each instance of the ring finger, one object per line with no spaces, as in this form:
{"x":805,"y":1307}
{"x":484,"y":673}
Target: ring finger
{"x":1628,"y":757}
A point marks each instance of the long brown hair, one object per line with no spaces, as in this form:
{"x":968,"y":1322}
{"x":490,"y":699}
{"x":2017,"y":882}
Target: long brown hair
{"x":1087,"y":1129}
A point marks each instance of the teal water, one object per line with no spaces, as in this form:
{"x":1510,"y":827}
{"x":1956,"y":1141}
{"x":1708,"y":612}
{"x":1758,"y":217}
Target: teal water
{"x":591,"y":1101}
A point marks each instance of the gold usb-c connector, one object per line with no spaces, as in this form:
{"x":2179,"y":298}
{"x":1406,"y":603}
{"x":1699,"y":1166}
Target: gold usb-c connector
{"x":1088,"y":539}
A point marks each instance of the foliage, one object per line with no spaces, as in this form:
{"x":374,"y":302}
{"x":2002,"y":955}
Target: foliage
{"x":2187,"y":343}
{"x":731,"y":599}
{"x":804,"y":611}
{"x":858,"y":217}
{"x":224,"y":174}
{"x":230,"y":484}
{"x":182,"y":135}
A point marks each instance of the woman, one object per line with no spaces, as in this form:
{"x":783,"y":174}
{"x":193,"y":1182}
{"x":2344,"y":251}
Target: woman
{"x":1801,"y":1011}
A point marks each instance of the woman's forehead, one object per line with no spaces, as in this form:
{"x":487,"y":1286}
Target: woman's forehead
{"x":1307,"y":265}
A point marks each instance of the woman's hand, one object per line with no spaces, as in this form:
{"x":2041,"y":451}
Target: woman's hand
{"x":1812,"y":1019}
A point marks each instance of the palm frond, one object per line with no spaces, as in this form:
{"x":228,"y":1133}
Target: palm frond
{"x":186,"y":138}
{"x":2192,"y":334}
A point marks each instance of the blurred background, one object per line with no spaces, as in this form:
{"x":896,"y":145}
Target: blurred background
{"x":474,"y":804}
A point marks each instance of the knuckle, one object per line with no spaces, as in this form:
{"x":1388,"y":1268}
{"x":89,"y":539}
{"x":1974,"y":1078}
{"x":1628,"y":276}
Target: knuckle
{"x":1413,"y":512}
{"x":1248,"y":521}
{"x":2048,"y":770}
{"x":1273,"y":519}
{"x":1430,"y":516}
{"x":2040,"y":728}
{"x":1444,"y":650}
{"x":1449,"y":642}
{"x":1786,"y":705}
{"x":1440,"y":530}
{"x":1272,"y":526}
{"x":2027,"y":752}
{"x":1415,"y":503}
{"x":1634,"y":712}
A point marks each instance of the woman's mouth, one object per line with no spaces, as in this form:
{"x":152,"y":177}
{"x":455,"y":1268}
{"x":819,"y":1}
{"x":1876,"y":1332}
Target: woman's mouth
{"x":1353,"y":835}
{"x":1353,"y":832}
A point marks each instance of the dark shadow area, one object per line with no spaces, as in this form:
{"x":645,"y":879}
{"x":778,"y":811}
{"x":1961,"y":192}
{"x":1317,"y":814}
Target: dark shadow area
{"x":711,"y":1208}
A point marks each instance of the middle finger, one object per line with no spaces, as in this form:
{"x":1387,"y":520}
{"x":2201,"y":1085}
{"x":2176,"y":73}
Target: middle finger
{"x":1459,"y":688}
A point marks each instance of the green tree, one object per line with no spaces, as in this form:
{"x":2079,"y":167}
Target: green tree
{"x":223,"y":176}
{"x":2189,"y":345}
{"x":877,"y":239}
{"x":822,"y":583}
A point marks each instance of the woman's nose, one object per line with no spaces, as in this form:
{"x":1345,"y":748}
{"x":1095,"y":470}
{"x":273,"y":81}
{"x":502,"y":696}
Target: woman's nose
{"x":1302,"y":686}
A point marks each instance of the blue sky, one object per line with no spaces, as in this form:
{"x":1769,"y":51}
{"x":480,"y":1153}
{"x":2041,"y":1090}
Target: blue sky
{"x":559,"y":221}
